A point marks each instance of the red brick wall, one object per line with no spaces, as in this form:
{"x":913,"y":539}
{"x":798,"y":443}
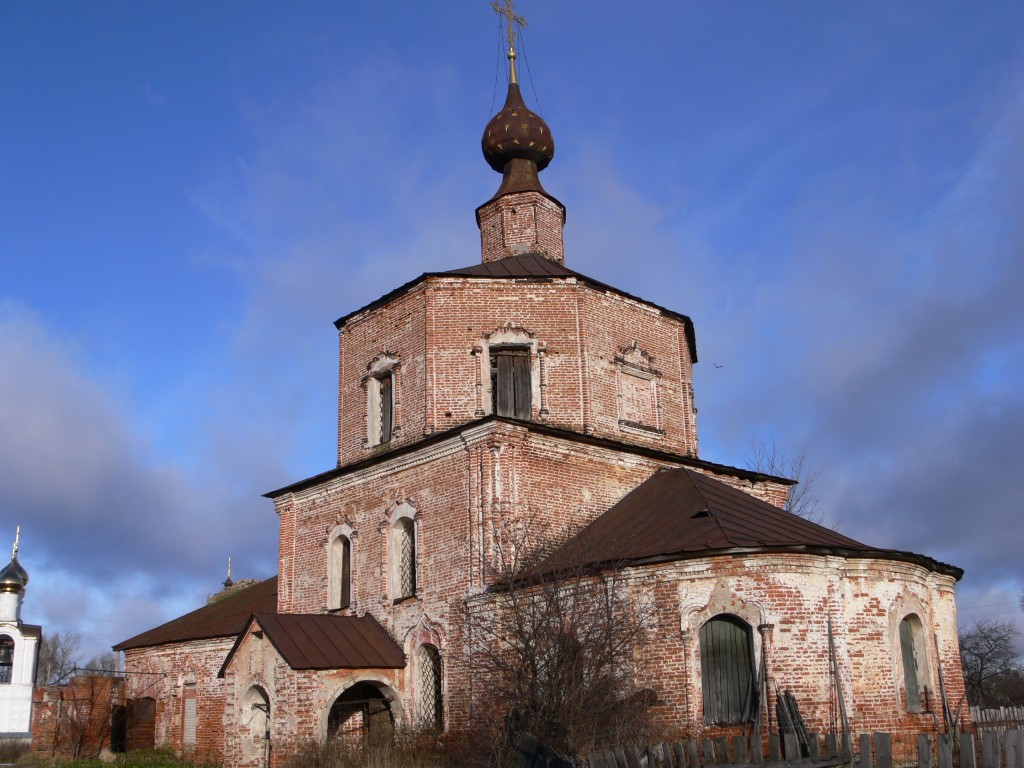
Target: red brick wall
{"x":522,"y":222}
{"x":162,"y":672}
{"x":73,"y":721}
{"x":581,"y":342}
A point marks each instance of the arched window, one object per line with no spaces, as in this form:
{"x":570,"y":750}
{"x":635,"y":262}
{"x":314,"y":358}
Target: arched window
{"x":340,"y":581}
{"x":406,"y":555}
{"x":401,"y":553}
{"x":912,"y":653}
{"x":430,"y":702}
{"x":6,"y":659}
{"x":727,"y":670}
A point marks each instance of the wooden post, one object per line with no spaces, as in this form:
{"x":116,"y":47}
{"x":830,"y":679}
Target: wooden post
{"x":945,"y":751}
{"x":774,"y":751}
{"x":1015,"y":749}
{"x":756,"y":748}
{"x":791,"y":747}
{"x":831,"y":748}
{"x":967,"y":758}
{"x":722,"y":750}
{"x":924,"y":751}
{"x":739,"y":749}
{"x":632,"y":757}
{"x":680,"y":752}
{"x":693,"y":758}
{"x":813,"y":745}
{"x":989,"y":749}
{"x":865,"y":751}
{"x":707,"y":752}
{"x":883,"y":750}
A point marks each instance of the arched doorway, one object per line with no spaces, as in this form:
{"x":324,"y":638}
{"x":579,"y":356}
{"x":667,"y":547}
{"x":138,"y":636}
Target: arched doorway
{"x":254,"y":726}
{"x":362,"y":710}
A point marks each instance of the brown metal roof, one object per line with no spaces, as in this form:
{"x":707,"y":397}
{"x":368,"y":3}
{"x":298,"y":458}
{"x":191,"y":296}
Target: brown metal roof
{"x":527,"y":265}
{"x":524,"y":267}
{"x":324,"y":641}
{"x":681,"y":512}
{"x":224,"y":618}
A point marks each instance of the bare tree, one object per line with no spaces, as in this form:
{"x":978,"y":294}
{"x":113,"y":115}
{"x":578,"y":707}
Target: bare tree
{"x":803,"y":500}
{"x":103,"y":663}
{"x":554,"y":650}
{"x":59,"y":654}
{"x":993,"y":673}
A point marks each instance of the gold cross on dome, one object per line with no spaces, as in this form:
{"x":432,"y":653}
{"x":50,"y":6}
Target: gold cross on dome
{"x":511,"y":19}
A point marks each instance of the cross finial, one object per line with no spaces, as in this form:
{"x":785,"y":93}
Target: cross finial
{"x":17,"y":535}
{"x":510,"y":18}
{"x":228,"y":582}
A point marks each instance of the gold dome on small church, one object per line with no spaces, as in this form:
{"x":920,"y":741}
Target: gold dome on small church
{"x":13,"y":578}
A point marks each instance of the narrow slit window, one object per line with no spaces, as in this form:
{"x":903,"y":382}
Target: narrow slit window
{"x":341,"y":573}
{"x":386,"y":423}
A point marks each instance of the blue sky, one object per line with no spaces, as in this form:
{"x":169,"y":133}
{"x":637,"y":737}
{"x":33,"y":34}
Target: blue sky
{"x":191,"y":192}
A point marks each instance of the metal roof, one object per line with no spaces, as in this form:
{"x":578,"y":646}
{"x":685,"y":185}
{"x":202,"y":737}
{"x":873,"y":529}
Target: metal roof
{"x":224,"y":618}
{"x":683,"y":513}
{"x":325,"y":641}
{"x":533,"y":426}
{"x":524,"y":267}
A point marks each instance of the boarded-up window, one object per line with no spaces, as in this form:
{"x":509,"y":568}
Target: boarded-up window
{"x":430,"y":712}
{"x":511,"y":385}
{"x":341,"y":573}
{"x":727,"y":670}
{"x":910,"y":631}
{"x":188,"y":730}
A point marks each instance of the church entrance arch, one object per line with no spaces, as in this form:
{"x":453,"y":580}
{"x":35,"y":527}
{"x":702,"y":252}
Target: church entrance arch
{"x":363,"y":709}
{"x":254,"y":725}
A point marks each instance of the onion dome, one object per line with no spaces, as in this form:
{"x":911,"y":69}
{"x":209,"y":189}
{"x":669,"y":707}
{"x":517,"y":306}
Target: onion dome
{"x":517,"y":133}
{"x":13,"y":577}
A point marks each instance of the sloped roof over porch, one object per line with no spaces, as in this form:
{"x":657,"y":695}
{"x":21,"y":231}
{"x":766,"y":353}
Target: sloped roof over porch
{"x":323,"y":641}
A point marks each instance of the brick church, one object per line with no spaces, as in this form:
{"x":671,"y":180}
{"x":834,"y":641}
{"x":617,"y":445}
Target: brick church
{"x":517,"y":389}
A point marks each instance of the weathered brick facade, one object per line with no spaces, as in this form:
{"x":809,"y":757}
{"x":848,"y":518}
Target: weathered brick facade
{"x":606,"y":380}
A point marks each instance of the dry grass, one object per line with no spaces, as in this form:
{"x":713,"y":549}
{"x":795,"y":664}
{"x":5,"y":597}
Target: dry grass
{"x":407,"y":750}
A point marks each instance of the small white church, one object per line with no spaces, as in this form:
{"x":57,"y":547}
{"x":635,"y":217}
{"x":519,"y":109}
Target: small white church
{"x":19,"y":652}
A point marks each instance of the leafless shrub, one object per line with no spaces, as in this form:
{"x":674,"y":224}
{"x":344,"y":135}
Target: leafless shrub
{"x":553,"y":650}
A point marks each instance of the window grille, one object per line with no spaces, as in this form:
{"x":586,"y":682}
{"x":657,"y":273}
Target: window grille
{"x":406,"y":558}
{"x":430,"y":712}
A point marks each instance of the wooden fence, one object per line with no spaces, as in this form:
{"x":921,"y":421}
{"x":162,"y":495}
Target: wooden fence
{"x":874,"y":751}
{"x":998,"y":718}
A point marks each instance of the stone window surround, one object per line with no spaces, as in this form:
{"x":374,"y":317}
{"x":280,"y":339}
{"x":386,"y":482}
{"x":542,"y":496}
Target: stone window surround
{"x":633,"y":361}
{"x":382,"y":366}
{"x":515,"y":337}
{"x":334,"y":573}
{"x":396,"y":531}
